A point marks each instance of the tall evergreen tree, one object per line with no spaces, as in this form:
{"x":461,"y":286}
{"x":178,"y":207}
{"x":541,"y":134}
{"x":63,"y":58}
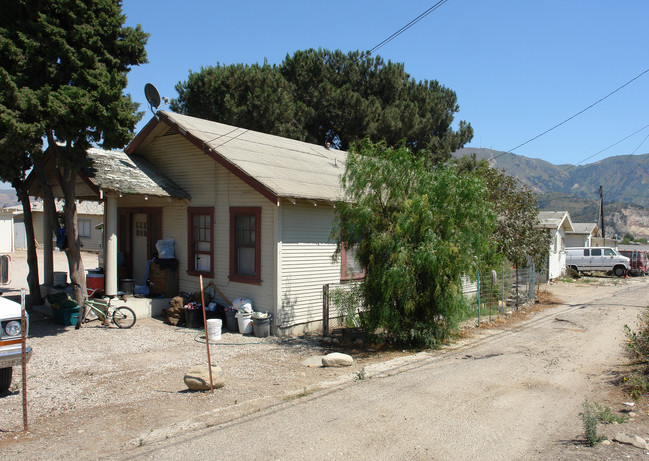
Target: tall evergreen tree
{"x":63,"y":66}
{"x":325,"y":96}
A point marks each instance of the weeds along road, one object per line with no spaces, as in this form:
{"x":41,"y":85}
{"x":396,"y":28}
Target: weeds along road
{"x":514,"y":393}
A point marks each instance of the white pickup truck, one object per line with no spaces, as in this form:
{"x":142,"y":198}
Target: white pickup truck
{"x":10,"y":341}
{"x":597,"y":259}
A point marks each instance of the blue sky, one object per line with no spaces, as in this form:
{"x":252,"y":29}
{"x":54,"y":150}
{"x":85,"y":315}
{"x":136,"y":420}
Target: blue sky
{"x":517,"y":67}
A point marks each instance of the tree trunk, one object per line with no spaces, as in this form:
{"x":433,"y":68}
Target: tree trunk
{"x":48,"y":195}
{"x":32,"y":259}
{"x":75,"y":263}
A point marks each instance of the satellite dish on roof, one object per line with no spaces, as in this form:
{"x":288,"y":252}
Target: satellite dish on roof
{"x":152,"y":95}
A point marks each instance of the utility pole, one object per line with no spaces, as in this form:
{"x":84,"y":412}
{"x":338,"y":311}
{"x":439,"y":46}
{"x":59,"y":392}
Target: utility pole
{"x":601,"y":210}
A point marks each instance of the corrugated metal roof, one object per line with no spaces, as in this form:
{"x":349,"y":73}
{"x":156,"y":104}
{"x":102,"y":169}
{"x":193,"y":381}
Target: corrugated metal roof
{"x":116,"y":171}
{"x":286,"y":167}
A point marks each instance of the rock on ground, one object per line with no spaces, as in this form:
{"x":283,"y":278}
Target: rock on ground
{"x":198,"y":378}
{"x":337,"y":359}
{"x":634,"y":440}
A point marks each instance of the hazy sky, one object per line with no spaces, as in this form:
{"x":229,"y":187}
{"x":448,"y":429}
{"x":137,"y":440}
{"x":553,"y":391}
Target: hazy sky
{"x":519,"y":67}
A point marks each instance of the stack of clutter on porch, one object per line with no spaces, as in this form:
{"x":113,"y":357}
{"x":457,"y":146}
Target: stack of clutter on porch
{"x":186,"y":310}
{"x":239,"y":317}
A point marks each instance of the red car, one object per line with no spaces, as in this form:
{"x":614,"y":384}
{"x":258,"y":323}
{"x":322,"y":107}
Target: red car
{"x":639,"y":265}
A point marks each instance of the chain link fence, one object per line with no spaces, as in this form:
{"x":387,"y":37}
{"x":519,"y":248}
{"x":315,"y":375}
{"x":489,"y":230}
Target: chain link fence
{"x":487,"y":294}
{"x":491,"y":293}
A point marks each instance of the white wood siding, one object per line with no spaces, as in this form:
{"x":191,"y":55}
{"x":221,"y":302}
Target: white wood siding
{"x":6,"y":232}
{"x":306,"y":264}
{"x":211,"y":185}
{"x":557,"y":256}
{"x":92,"y":243}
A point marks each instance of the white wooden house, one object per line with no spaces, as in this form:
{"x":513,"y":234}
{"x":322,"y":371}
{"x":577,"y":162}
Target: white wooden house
{"x":556,"y":223}
{"x":248,"y":211}
{"x":90,"y":214}
{"x":582,"y":235}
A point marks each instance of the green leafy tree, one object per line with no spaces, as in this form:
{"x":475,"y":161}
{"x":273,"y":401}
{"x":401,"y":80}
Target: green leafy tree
{"x":63,"y":72}
{"x":324,"y":96}
{"x":515,"y":236}
{"x":417,"y":231}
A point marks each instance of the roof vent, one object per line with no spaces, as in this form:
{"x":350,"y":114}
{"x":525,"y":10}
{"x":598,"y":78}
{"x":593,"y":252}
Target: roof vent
{"x":169,"y":132}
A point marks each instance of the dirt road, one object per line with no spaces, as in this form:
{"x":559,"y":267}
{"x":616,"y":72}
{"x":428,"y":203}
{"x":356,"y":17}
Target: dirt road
{"x":513,"y":392}
{"x":510,"y":394}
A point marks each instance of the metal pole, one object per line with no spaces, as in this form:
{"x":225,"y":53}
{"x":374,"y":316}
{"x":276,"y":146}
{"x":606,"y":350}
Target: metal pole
{"x":533,"y":283}
{"x":478,"y":299}
{"x":502,"y":306}
{"x":325,"y":309}
{"x":23,"y":328}
{"x":207,"y":337}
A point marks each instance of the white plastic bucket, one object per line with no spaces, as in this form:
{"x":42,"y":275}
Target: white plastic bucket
{"x":214,"y":329}
{"x":245,"y":323}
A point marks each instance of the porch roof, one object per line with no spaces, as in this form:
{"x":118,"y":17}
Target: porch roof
{"x":274,"y":166}
{"x":114,"y":171}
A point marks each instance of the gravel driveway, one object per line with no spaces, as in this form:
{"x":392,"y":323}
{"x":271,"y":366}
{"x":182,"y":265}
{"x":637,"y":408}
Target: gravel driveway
{"x":98,"y":393}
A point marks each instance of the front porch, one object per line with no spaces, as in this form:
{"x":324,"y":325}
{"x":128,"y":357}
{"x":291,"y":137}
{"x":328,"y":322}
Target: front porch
{"x":133,"y":194}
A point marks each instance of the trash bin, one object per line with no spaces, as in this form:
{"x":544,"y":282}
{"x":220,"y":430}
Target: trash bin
{"x":231,"y":321}
{"x":245,"y":322}
{"x":261,"y":324}
{"x":127,"y":286}
{"x":194,"y":318}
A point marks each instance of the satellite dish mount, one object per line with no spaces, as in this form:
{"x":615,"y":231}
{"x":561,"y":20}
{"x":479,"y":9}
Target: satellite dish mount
{"x":153,"y":97}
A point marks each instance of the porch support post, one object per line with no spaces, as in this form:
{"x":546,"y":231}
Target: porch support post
{"x":110,"y":251}
{"x":48,"y":258}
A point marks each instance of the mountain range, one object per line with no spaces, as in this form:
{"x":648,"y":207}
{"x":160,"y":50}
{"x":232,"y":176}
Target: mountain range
{"x":575,"y":188}
{"x":624,"y":180}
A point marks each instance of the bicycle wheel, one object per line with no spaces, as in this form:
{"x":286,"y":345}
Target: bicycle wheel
{"x":124,"y":317}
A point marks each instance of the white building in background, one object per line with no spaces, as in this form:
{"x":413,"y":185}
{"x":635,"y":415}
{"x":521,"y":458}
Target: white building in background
{"x":557,"y":224}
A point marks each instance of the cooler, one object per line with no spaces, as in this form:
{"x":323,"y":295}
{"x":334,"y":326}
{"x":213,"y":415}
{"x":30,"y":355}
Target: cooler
{"x":94,"y":282}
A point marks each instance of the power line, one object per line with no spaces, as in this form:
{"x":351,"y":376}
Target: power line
{"x":622,"y":164}
{"x":510,"y":151}
{"x":409,"y":25}
{"x":599,"y":152}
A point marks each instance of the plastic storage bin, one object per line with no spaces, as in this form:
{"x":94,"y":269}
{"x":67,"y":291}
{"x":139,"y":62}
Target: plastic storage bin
{"x":66,"y":317}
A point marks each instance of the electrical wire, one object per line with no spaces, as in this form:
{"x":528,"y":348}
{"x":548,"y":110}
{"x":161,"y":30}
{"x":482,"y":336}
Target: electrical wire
{"x":622,"y":164}
{"x":408,"y":26}
{"x":595,"y":154}
{"x":575,"y":115}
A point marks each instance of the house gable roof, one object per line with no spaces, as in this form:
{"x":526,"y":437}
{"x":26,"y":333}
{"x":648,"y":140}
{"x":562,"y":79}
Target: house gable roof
{"x":586,"y":228}
{"x":555,"y":220}
{"x":272,"y":165}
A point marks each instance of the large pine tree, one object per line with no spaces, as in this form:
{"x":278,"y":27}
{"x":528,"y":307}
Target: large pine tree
{"x":325,"y":96}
